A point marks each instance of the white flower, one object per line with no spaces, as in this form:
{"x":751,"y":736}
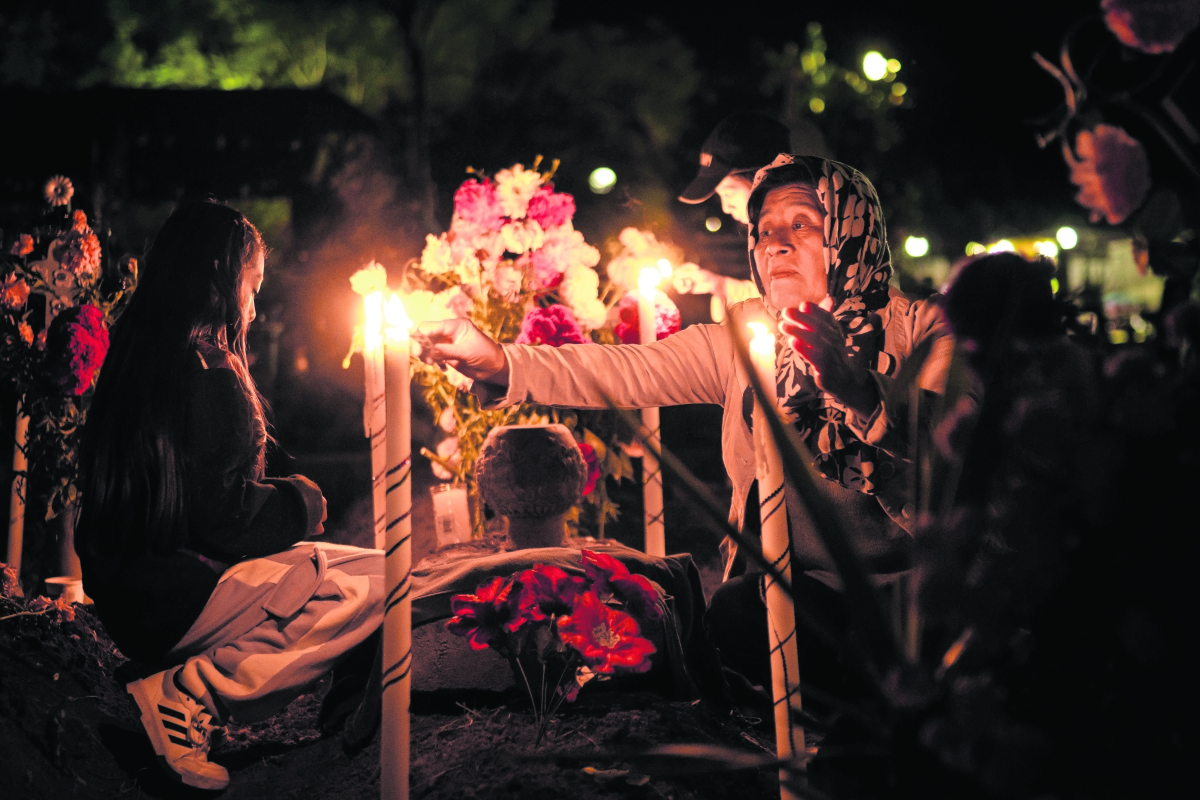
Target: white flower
{"x":591,"y":314}
{"x":425,"y":306}
{"x":436,"y":258}
{"x":467,"y":269}
{"x":565,"y":248}
{"x":507,"y":281}
{"x":514,"y":187}
{"x":579,"y":291}
{"x":446,"y":420}
{"x":522,"y":236}
{"x":449,"y":452}
{"x":371,"y":278}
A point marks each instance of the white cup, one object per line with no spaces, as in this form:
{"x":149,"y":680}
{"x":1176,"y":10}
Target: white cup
{"x":451,"y":517}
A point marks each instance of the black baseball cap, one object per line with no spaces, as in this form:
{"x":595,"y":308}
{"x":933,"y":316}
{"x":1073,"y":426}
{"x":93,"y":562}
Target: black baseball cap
{"x":743,"y":141}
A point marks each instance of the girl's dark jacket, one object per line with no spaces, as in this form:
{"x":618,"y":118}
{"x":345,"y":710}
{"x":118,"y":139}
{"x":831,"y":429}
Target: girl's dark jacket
{"x":148,"y":600}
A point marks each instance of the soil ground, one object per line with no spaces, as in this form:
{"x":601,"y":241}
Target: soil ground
{"x":68,"y":730}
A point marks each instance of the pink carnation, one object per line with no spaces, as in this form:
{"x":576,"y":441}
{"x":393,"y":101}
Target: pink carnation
{"x":553,"y":325}
{"x":628,"y":328}
{"x":546,"y":273}
{"x":550,"y":208}
{"x":1112,"y":173}
{"x":1152,"y":26}
{"x":593,"y":466}
{"x":476,"y":202}
{"x":77,"y":342}
{"x":79,"y":250}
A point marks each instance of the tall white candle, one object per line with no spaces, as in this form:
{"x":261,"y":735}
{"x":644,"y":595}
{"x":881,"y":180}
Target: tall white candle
{"x":375,"y":409}
{"x":652,"y":489}
{"x":397,"y":619}
{"x":16,"y":503}
{"x":776,"y":545}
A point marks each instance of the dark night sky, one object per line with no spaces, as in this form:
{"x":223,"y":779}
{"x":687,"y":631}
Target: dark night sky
{"x":975,"y":87}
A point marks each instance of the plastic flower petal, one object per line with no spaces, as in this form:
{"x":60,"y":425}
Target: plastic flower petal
{"x":14,"y":293}
{"x":593,"y":466}
{"x":484,"y":616}
{"x":436,"y":258}
{"x":550,"y":208}
{"x":477,"y":203}
{"x":554,"y":325}
{"x":609,"y":640}
{"x":547,"y":591}
{"x":515,"y":187}
{"x":1112,"y":172}
{"x":23,"y":246}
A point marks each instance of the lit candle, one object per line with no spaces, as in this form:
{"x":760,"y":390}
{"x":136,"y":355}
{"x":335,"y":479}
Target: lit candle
{"x":16,"y":503}
{"x":397,"y":613}
{"x":652,"y":490}
{"x":781,"y":614}
{"x":375,"y":408}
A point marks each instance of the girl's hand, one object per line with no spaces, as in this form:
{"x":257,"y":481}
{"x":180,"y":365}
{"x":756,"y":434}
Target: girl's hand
{"x":459,"y":344}
{"x":817,"y":337}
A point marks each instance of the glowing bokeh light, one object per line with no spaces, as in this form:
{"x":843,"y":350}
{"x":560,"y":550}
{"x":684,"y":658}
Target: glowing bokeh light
{"x":916,"y":246}
{"x":664,"y":268}
{"x":816,"y":105}
{"x":713,"y":224}
{"x":1002,"y":246}
{"x":875,"y":66}
{"x":398,"y":322}
{"x":893,"y":65}
{"x":1046,"y":248}
{"x":975,"y":249}
{"x":898,"y":89}
{"x":648,"y":281}
{"x":1067,"y":237}
{"x":602,"y":180}
{"x":1054,"y":286}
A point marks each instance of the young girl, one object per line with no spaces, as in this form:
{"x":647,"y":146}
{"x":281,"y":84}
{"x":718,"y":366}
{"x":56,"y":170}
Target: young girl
{"x":197,"y":563}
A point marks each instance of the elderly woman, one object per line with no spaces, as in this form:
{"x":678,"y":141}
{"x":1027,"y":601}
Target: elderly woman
{"x":819,"y":254}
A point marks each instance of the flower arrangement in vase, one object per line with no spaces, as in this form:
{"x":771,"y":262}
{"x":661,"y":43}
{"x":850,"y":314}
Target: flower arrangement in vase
{"x":560,"y":631}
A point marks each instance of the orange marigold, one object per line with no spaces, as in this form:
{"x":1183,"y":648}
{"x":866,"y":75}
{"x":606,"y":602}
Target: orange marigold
{"x":23,"y":246}
{"x":14,"y":293}
{"x":26,"y":332}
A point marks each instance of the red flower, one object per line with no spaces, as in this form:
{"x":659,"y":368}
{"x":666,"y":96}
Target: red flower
{"x":1152,"y":26}
{"x":607,"y":639}
{"x":593,"y":466}
{"x":14,"y":293}
{"x":553,"y":325}
{"x":77,"y":342}
{"x":79,"y":221}
{"x":476,"y":202}
{"x":550,"y":208}
{"x":79,"y":251}
{"x":25,"y":331}
{"x":547,"y":591}
{"x":58,"y":608}
{"x":59,"y":191}
{"x":610,"y":576}
{"x":1112,"y":173}
{"x":483,"y":617}
{"x":23,"y":246}
{"x":666,"y":319}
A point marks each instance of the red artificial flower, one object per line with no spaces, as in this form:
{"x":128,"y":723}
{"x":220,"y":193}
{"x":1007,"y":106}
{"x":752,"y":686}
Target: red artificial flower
{"x":546,"y":591}
{"x":476,"y":202}
{"x":483,"y":617}
{"x":546,"y":273}
{"x":77,"y":342}
{"x":79,"y":221}
{"x":609,"y":576}
{"x":25,"y":331}
{"x":593,"y":466}
{"x":59,"y":190}
{"x":554,"y":325}
{"x":58,"y":608}
{"x":628,"y":328}
{"x":608,"y":639}
{"x":1112,"y":172}
{"x":78,"y":251}
{"x":550,"y":208}
{"x":14,"y":293}
{"x":23,"y":246}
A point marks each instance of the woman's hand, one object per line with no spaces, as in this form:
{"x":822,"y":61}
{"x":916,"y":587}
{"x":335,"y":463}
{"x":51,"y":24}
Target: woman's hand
{"x":818,"y":338}
{"x":459,"y":344}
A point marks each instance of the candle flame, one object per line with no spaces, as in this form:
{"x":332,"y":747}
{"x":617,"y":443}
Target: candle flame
{"x":664,"y":268}
{"x":648,"y":281}
{"x":763,"y":343}
{"x":398,"y":323}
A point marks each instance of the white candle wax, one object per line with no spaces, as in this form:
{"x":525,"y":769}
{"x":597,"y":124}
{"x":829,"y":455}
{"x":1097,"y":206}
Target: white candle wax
{"x":375,"y":409}
{"x":776,"y":545}
{"x":652,"y":489}
{"x":397,"y":620}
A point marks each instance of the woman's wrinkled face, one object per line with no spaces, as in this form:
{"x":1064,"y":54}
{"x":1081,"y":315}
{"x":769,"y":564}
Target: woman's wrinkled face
{"x":734,"y":191}
{"x":790,"y":253}
{"x":252,"y":278}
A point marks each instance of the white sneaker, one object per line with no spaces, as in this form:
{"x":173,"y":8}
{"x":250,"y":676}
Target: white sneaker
{"x":180,"y":729}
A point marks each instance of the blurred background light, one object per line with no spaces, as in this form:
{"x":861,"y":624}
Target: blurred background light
{"x":893,"y":65}
{"x":898,"y":89}
{"x":1054,"y":286}
{"x":1002,"y":246}
{"x":816,"y":105}
{"x":875,"y":66}
{"x":916,"y":246}
{"x":602,"y":180}
{"x":1067,"y":237}
{"x":1046,"y":248}
{"x":975,"y":249}
{"x":713,"y":224}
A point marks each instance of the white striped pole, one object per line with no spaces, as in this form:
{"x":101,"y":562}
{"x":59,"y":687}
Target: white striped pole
{"x":397,"y":614}
{"x":652,"y":487}
{"x":375,"y":415}
{"x":776,"y":545}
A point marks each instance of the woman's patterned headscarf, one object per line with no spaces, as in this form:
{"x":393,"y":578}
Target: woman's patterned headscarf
{"x":858,"y":267}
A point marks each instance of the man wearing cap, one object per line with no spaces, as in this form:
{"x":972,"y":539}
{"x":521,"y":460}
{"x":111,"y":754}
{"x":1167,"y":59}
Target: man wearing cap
{"x":732,"y":153}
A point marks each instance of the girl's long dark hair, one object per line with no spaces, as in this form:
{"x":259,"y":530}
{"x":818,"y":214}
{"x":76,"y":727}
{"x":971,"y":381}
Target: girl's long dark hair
{"x":135,"y":496}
